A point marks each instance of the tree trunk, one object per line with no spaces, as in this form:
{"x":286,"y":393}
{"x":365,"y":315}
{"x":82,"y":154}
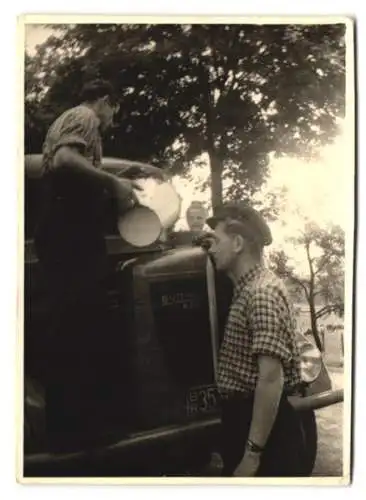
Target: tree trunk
{"x":342,"y":344}
{"x":215,"y":162}
{"x":311,"y":300}
{"x":314,"y":324}
{"x":216,"y":181}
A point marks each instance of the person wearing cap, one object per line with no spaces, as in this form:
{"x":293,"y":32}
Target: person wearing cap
{"x":259,"y":362}
{"x":70,"y":245}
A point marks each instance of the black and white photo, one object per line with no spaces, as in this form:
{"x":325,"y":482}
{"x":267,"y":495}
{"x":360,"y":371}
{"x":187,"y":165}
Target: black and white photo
{"x":188,"y":249}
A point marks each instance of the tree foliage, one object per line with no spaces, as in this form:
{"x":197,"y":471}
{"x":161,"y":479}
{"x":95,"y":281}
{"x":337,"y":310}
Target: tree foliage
{"x":234,"y":92}
{"x":324,"y":281}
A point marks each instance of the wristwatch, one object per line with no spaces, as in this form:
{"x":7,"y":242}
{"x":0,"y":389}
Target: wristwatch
{"x":255,"y":448}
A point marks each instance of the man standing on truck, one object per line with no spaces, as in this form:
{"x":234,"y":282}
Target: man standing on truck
{"x":70,"y":244}
{"x":259,"y":363}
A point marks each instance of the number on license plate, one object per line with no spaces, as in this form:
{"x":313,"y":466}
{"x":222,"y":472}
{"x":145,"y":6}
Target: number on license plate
{"x":201,"y":400}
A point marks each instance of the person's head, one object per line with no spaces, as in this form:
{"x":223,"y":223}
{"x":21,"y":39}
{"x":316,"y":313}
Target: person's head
{"x":196,"y":216}
{"x":99,"y":95}
{"x":239,"y":235}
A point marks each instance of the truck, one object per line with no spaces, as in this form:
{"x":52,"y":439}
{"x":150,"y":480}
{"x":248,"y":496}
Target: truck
{"x":168,"y":306}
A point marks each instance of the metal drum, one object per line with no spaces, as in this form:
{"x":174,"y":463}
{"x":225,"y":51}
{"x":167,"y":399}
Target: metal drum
{"x":158,"y":210}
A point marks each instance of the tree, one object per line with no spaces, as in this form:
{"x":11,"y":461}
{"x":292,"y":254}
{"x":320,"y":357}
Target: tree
{"x":324,"y":281}
{"x":233,"y":92}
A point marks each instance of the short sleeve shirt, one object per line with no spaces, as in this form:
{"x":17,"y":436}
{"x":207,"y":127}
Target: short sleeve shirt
{"x":78,"y":127}
{"x":260,"y":322}
{"x":72,"y":226}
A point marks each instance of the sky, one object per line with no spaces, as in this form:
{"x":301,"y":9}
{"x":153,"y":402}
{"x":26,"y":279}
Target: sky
{"x":322,"y":189}
{"x":319,"y":188}
{"x":35,"y":35}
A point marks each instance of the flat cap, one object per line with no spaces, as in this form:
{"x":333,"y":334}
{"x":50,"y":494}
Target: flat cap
{"x":249,"y":218}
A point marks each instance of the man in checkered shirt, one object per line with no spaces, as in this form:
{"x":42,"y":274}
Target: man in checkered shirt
{"x":259,"y":362}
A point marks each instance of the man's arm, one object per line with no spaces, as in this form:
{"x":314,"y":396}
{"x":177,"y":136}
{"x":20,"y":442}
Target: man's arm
{"x":121,"y":189}
{"x":266,"y":399}
{"x":266,"y":402}
{"x":271,"y":351}
{"x":69,"y":157}
{"x":269,"y":347}
{"x":76,"y":133}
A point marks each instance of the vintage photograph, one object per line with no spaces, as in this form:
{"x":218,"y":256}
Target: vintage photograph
{"x":188,"y":249}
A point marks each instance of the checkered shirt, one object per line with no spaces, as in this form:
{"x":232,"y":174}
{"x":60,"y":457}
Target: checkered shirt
{"x":260,"y":322}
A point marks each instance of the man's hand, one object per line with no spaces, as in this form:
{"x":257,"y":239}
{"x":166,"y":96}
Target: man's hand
{"x":119,"y":188}
{"x":203,"y":240}
{"x":123,"y":191}
{"x":249,"y":465}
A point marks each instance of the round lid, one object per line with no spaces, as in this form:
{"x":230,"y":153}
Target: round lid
{"x":140,"y":226}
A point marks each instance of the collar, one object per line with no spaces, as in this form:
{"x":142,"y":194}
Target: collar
{"x":246,"y":278}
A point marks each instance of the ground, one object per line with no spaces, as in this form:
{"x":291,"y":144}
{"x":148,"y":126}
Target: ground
{"x":330,"y":434}
{"x":330,"y":419}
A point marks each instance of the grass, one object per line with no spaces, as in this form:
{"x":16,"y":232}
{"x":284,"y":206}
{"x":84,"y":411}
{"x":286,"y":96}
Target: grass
{"x":329,"y":461}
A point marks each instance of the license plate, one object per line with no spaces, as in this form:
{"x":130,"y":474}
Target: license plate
{"x":201,"y":399}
